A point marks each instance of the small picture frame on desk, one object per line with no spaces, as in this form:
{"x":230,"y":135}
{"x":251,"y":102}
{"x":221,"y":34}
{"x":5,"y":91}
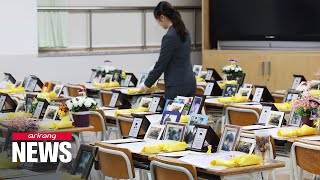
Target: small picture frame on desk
{"x":264,"y":114}
{"x":245,"y":145}
{"x":130,"y":79}
{"x":58,"y":89}
{"x":116,"y":77}
{"x":212,"y":73}
{"x":204,"y":133}
{"x":84,"y":161}
{"x":295,"y":119}
{"x":154,"y":105}
{"x":21,"y":107}
{"x":197,"y":104}
{"x":142,"y":79}
{"x":154,"y":132}
{"x":239,"y":78}
{"x":297,"y":79}
{"x":291,"y":95}
{"x":230,"y":90}
{"x":135,"y":127}
{"x":174,"y":131}
{"x":51,"y":113}
{"x":176,"y":107}
{"x":275,"y":119}
{"x":114,"y":99}
{"x":229,"y":138}
{"x":93,"y":75}
{"x":245,"y":92}
{"x":170,"y":116}
{"x":40,"y":109}
{"x":212,"y":89}
{"x":248,"y":86}
{"x":107,"y":78}
{"x":262,"y":94}
{"x":190,"y":127}
{"x":7,"y":104}
{"x":118,"y":97}
{"x":145,"y":102}
{"x":9,"y":78}
{"x":197,"y":70}
{"x":32,"y":83}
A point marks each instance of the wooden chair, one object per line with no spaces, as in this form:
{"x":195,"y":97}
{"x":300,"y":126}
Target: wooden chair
{"x":278,"y":98}
{"x":73,"y":89}
{"x":116,"y":163}
{"x":98,"y":121}
{"x":307,"y":157}
{"x":241,"y":116}
{"x":106,"y":98}
{"x":162,"y":169}
{"x":200,"y":90}
{"x":124,"y":123}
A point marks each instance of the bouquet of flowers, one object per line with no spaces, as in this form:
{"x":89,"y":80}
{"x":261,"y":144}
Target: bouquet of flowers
{"x":81,"y":103}
{"x":23,"y":124}
{"x":303,"y":106}
{"x":233,"y":68}
{"x":63,"y":110}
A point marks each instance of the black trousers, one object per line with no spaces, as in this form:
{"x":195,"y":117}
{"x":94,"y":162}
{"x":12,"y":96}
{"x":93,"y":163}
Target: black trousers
{"x":184,"y":90}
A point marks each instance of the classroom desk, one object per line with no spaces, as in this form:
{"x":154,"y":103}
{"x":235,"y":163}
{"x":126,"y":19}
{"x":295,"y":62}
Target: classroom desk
{"x":209,"y":173}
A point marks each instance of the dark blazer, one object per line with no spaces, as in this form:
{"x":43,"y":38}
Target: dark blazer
{"x":174,"y":62}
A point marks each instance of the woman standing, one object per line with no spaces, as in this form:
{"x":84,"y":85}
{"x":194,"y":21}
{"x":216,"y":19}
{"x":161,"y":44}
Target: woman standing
{"x":174,"y":60}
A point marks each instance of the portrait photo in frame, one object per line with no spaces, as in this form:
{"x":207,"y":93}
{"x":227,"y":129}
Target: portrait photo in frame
{"x":239,"y":78}
{"x":170,"y":116}
{"x":7,"y":104}
{"x":245,"y":92}
{"x":58,"y":89}
{"x":212,"y":73}
{"x":154,"y":132}
{"x":229,"y":138}
{"x":51,"y":113}
{"x":275,"y":119}
{"x":212,"y":89}
{"x":197,"y":104}
{"x":190,"y":127}
{"x":246,"y":145}
{"x":291,"y":95}
{"x":197,"y":70}
{"x":295,"y":119}
{"x":84,"y":161}
{"x":262,"y":94}
{"x":142,"y":79}
{"x":174,"y":131}
{"x":230,"y":90}
{"x":297,"y":79}
{"x":145,"y":102}
{"x":116,"y":77}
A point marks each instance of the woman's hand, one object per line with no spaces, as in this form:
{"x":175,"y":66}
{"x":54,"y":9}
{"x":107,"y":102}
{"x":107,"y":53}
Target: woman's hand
{"x":143,"y":88}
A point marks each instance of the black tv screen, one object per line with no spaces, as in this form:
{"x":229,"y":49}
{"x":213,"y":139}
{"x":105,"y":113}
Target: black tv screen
{"x":283,"y":20}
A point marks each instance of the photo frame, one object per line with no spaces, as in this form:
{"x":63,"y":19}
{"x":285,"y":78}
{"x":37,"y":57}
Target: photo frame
{"x":107,"y":78}
{"x":116,"y":76}
{"x":229,"y":138}
{"x":154,"y":132}
{"x":156,"y":103}
{"x":174,"y":131}
{"x":275,"y":119}
{"x":248,"y":86}
{"x":58,"y":89}
{"x":93,"y":75}
{"x":209,"y":136}
{"x":212,"y":89}
{"x":295,"y":119}
{"x":314,"y":85}
{"x":135,"y":127}
{"x":130,"y":78}
{"x":51,"y":113}
{"x":297,"y":79}
{"x":142,"y":79}
{"x":145,"y":102}
{"x":291,"y":95}
{"x":265,"y":111}
{"x":197,"y":104}
{"x":190,"y":127}
{"x":114,"y":99}
{"x":246,"y":145}
{"x":246,"y":92}
{"x":262,"y":94}
{"x":9,"y":78}
{"x":32,"y":83}
{"x":7,"y":104}
{"x":197,"y":70}
{"x":169,"y":116}
{"x":176,"y":107}
{"x":230,"y":90}
{"x":21,"y":107}
{"x":40,"y":109}
{"x":84,"y":161}
{"x":212,"y":73}
{"x":239,"y":78}
{"x":121,"y":98}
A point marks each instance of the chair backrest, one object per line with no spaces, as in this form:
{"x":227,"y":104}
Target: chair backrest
{"x":116,"y":162}
{"x":124,"y":123}
{"x":106,"y":98}
{"x":162,"y":169}
{"x":73,"y":89}
{"x":242,"y":116}
{"x":98,"y":121}
{"x":306,"y":156}
{"x":278,"y":98}
{"x":200,"y":90}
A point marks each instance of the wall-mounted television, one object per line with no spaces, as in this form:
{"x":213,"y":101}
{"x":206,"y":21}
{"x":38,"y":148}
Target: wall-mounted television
{"x":274,"y":20}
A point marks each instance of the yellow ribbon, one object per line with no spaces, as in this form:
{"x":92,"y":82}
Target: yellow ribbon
{"x":11,"y":90}
{"x":303,"y":131}
{"x":234,"y":99}
{"x":283,"y":106}
{"x":137,"y":90}
{"x":184,"y":119}
{"x":106,"y":85}
{"x":128,"y":111}
{"x":224,"y":83}
{"x":168,"y":147}
{"x":239,"y":161}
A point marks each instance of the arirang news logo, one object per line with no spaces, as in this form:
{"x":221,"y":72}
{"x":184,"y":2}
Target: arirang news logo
{"x":41,"y":147}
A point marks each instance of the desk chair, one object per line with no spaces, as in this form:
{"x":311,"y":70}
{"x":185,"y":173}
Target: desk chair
{"x":307,"y":157}
{"x":106,"y":98}
{"x":278,"y":98}
{"x":162,"y":169}
{"x":124,"y":123}
{"x":98,"y":121}
{"x":241,"y":116}
{"x":73,"y":89}
{"x":200,"y":90}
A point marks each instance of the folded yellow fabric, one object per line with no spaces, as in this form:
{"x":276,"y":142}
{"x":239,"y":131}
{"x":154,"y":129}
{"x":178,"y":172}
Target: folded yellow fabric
{"x":64,"y":123}
{"x":137,"y":90}
{"x":184,"y":119}
{"x":302,"y":131}
{"x":283,"y":106}
{"x":234,"y":99}
{"x":152,"y":149}
{"x":315,"y":93}
{"x":223,"y":84}
{"x":238,"y":161}
{"x":12,"y":90}
{"x":50,"y":95}
{"x":128,"y":111}
{"x":199,"y":79}
{"x":106,"y":85}
{"x":175,"y":146}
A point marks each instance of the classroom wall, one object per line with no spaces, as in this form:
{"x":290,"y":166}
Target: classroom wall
{"x":18,"y":46}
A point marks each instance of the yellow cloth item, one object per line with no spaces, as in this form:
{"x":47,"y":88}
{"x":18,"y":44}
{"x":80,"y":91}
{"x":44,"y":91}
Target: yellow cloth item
{"x":137,"y":90}
{"x":224,"y":83}
{"x":128,"y":111}
{"x":64,"y":123}
{"x":50,"y":95}
{"x":11,"y":90}
{"x":234,"y":99}
{"x":283,"y":106}
{"x":152,"y":149}
{"x":199,"y":79}
{"x":305,"y":130}
{"x":238,"y":161}
{"x":184,"y":119}
{"x":106,"y":85}
{"x":175,"y":146}
{"x":209,"y":149}
{"x":315,"y":93}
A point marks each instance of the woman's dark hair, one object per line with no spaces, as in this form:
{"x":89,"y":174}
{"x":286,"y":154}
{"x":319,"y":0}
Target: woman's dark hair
{"x":166,"y":9}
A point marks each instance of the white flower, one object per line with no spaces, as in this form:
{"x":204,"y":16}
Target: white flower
{"x":80,"y":102}
{"x":236,"y":70}
{"x":111,"y":68}
{"x":69,"y":105}
{"x":87,"y":104}
{"x":240,"y":69}
{"x":232,"y":68}
{"x":75,"y":103}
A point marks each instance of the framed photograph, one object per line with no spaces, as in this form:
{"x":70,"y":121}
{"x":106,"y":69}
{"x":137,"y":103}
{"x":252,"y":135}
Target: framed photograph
{"x":29,"y":100}
{"x":84,"y":161}
{"x":114,"y":99}
{"x":107,"y":78}
{"x":21,"y":107}
{"x":154,"y":132}
{"x":40,"y":109}
{"x":297,"y":79}
{"x":230,"y":90}
{"x":262,"y":94}
{"x":9,"y":78}
{"x":142,"y":79}
{"x":190,"y":128}
{"x":197,"y":104}
{"x":93,"y":75}
{"x":183,"y":99}
{"x":209,"y":75}
{"x":197,"y":70}
{"x":154,"y":104}
{"x":58,"y":89}
{"x":314,"y":85}
{"x":17,"y":84}
{"x":51,"y":113}
{"x":239,"y":78}
{"x":135,"y":127}
{"x":26,"y":81}
{"x":229,"y":138}
{"x":31,"y":84}
{"x":212,"y":89}
{"x":167,"y":104}
{"x":116,"y":76}
{"x":214,"y":74}
{"x":7,"y":104}
{"x":127,"y":80}
{"x":174,"y":131}
{"x":291,"y":95}
{"x":199,"y":138}
{"x":275,"y":118}
{"x":264,"y":114}
{"x":245,"y":145}
{"x":176,"y":107}
{"x":246,"y":92}
{"x":295,"y":119}
{"x":145,"y":102}
{"x":248,"y":86}
{"x":169,"y":116}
